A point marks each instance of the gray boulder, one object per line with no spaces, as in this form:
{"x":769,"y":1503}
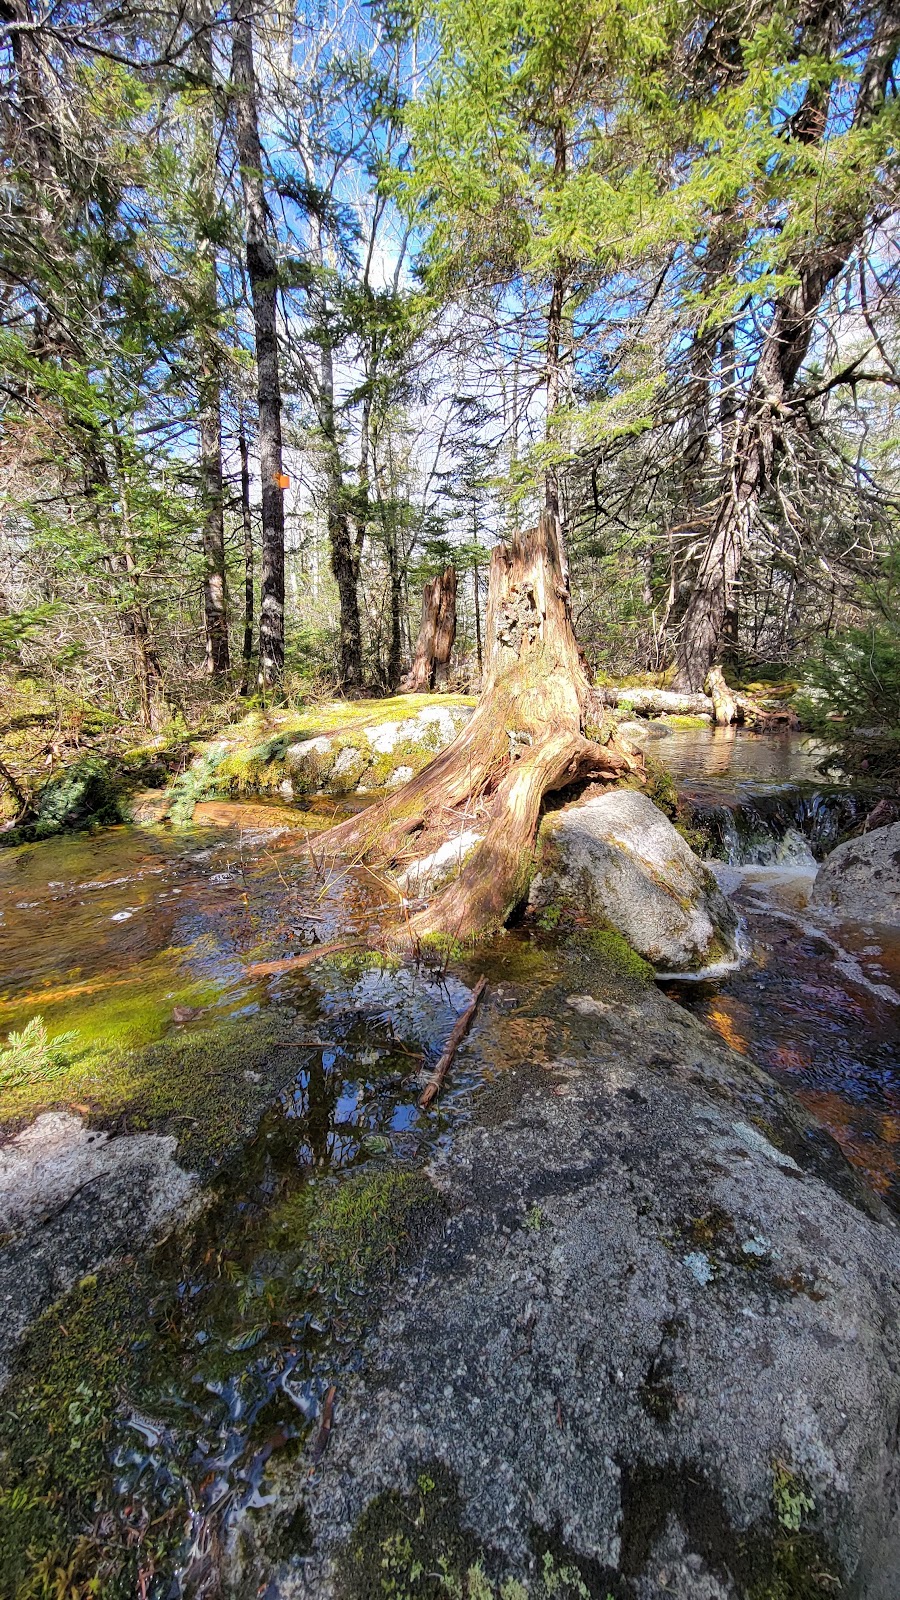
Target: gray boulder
{"x":860,"y":880}
{"x":655,"y":1341}
{"x":73,"y":1198}
{"x":618,"y":858}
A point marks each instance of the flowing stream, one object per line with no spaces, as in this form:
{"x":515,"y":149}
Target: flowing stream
{"x":136,"y":937}
{"x":816,"y":1004}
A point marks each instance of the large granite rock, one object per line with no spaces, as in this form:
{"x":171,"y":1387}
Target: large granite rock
{"x":653,"y":1352}
{"x":619,"y":859}
{"x":860,"y":880}
{"x":73,"y":1198}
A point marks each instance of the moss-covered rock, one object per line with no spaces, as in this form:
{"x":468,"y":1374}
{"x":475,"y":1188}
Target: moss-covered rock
{"x":84,"y":794}
{"x":336,"y":749}
{"x":618,"y":859}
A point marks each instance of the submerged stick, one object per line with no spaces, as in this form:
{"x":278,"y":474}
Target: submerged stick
{"x":269,"y":969}
{"x":460,"y":1029}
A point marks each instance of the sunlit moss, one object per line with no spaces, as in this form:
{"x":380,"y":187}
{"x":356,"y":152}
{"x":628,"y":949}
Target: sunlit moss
{"x":361,"y":1229}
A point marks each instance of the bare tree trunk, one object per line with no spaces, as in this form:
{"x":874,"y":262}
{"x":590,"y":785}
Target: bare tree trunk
{"x":215,"y":606}
{"x":340,"y":533}
{"x":261,"y":271}
{"x":215,"y":600}
{"x":247,"y":528}
{"x":437,"y":634}
{"x":524,"y":740}
{"x":476,"y":579}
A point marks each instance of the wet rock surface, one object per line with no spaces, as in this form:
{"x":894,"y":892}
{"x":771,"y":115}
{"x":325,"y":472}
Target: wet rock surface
{"x":860,"y":880}
{"x":618,"y":858}
{"x":662,"y":1308}
{"x":73,"y":1198}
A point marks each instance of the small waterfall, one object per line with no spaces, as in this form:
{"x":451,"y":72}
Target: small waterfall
{"x":791,"y":823}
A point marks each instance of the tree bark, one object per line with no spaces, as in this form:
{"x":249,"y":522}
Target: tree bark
{"x":261,"y":271}
{"x":344,"y":564}
{"x":437,"y":634}
{"x":524,"y":739}
{"x":247,"y":528}
{"x":215,"y":599}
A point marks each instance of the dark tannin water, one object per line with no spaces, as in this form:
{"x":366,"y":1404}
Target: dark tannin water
{"x":817,"y":1004}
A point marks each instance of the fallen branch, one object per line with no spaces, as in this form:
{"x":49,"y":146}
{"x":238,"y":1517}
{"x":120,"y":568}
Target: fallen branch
{"x":269,"y":969}
{"x":460,"y":1029}
{"x":324,"y":1433}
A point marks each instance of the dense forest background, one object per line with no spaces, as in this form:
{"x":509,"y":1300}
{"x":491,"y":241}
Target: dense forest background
{"x":300,"y":306}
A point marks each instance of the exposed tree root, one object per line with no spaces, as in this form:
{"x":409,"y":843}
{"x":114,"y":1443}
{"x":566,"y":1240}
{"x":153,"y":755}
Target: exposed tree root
{"x":525,"y":739}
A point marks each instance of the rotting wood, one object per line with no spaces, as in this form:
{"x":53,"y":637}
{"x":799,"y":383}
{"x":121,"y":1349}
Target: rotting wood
{"x":524,"y":740}
{"x":437,"y":635}
{"x":724,"y":705}
{"x":460,"y":1028}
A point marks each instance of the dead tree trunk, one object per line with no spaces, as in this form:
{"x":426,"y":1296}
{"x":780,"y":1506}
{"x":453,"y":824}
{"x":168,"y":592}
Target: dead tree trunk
{"x":261,"y":271}
{"x":524,"y":740}
{"x":437,"y":634}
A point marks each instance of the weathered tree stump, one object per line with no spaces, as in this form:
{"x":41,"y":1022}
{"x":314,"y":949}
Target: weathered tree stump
{"x":437,"y":634}
{"x":525,"y":739}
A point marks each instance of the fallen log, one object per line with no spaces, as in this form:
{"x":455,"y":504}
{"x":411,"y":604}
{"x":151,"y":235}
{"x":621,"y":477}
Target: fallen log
{"x":460,"y":1029}
{"x":658,"y":702}
{"x":668,"y":702}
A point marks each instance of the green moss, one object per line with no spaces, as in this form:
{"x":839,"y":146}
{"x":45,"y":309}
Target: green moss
{"x":85,"y":794}
{"x":659,"y":786}
{"x":359,"y":1231}
{"x":208,"y":1087}
{"x":617,"y":952}
{"x":447,"y":947}
{"x":417,"y":1546}
{"x":250,"y":756}
{"x":351,"y":964}
{"x":549,"y":917}
{"x":55,"y":1437}
{"x":677,"y":720}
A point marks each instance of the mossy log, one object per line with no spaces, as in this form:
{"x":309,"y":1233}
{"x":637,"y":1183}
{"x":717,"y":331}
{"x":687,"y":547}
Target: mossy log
{"x":524,"y":740}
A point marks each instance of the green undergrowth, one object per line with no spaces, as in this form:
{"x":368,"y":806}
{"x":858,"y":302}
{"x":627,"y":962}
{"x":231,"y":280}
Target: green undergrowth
{"x":363,"y":1229}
